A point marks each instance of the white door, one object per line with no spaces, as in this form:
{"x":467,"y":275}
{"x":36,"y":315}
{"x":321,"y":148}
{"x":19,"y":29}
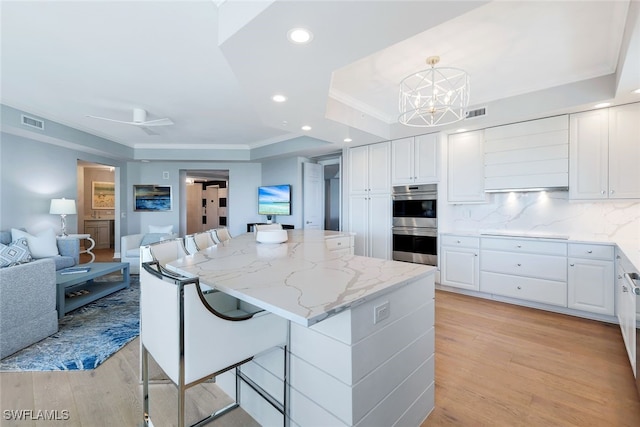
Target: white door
{"x":313,"y":215}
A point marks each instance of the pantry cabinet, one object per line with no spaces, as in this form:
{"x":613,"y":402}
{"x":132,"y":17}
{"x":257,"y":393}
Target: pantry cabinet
{"x":590,"y":278}
{"x":604,"y":154}
{"x":465,"y":168}
{"x":459,"y":265}
{"x":369,"y":169}
{"x":414,"y":160}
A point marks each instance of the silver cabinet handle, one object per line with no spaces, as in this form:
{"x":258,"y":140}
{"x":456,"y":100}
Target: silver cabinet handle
{"x":519,"y":265}
{"x":519,"y":246}
{"x":475,"y":254}
{"x":611,"y":191}
{"x":571,"y":265}
{"x":519,"y":287}
{"x":589,"y":251}
{"x":458,"y":241}
{"x":603,"y":192}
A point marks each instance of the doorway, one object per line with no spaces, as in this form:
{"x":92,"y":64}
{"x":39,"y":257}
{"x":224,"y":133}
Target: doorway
{"x":206,"y":199}
{"x":96,"y":209}
{"x":332,"y":193}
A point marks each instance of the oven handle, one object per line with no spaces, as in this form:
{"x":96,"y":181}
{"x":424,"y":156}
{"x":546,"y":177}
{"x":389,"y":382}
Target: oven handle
{"x":631,"y":278}
{"x":415,"y":196}
{"x":410,"y":231}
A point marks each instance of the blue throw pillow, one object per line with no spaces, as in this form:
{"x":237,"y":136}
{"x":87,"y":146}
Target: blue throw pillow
{"x":150,"y":238}
{"x":15,"y":253}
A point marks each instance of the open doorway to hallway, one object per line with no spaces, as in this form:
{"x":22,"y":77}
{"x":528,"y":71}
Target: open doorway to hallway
{"x":207,"y":199}
{"x":96,"y":209}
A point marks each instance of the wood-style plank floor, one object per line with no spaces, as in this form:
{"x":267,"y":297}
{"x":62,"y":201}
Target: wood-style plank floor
{"x":496,"y":365}
{"x":503,"y":365}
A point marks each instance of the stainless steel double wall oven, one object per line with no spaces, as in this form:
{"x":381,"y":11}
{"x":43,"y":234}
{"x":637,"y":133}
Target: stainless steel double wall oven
{"x":415,"y":223}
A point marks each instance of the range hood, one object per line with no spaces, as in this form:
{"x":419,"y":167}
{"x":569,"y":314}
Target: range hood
{"x":526,"y":189}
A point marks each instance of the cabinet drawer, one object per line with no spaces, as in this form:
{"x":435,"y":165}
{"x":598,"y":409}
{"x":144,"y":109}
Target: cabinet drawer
{"x":538,"y":290}
{"x":580,"y":250}
{"x":460,"y":241}
{"x":525,"y":245}
{"x":337,"y":243}
{"x":539,"y":266}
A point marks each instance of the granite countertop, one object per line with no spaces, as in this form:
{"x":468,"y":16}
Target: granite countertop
{"x":299,"y":280}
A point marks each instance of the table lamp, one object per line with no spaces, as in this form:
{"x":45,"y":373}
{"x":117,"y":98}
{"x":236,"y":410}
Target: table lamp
{"x":63,"y":207}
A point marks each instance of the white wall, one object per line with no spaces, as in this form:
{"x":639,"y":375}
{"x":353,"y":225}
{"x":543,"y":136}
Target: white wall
{"x":286,"y":171}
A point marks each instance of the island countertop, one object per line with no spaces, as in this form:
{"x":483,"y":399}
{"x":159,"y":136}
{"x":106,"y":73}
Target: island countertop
{"x":299,"y":280}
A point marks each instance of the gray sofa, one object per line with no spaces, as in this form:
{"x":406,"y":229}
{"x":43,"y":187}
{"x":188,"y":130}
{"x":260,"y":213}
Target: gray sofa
{"x":28,"y":297}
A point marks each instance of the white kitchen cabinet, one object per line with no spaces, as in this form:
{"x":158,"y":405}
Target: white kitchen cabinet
{"x":370,"y":220}
{"x":414,"y":160}
{"x":626,"y":307}
{"x":369,"y":169}
{"x":101,"y":232}
{"x":525,"y":269}
{"x":465,"y":168}
{"x":459,"y":266}
{"x":591,"y":278}
{"x":604,"y":154}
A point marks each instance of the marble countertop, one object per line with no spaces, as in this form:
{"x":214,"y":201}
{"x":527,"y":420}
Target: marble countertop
{"x":299,"y":280}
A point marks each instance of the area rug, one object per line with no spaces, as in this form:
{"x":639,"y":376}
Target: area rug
{"x":86,"y":337}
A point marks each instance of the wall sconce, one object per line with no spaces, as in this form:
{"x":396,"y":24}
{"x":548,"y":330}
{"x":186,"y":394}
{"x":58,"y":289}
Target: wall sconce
{"x":63,"y":207}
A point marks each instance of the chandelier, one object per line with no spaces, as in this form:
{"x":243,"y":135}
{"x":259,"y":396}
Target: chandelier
{"x":434,"y":97}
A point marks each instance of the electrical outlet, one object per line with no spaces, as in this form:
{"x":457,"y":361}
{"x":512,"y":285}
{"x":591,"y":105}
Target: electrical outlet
{"x":381,"y":312}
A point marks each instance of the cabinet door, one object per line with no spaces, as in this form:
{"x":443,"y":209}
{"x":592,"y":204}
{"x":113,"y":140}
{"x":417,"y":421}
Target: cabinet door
{"x":591,"y":285}
{"x":380,"y":167}
{"x":359,"y":169}
{"x":465,"y":174}
{"x":359,"y":223}
{"x":380,"y":226}
{"x":588,"y":155}
{"x":459,"y":268}
{"x":624,"y":152}
{"x":402,"y":161}
{"x":426,"y":158}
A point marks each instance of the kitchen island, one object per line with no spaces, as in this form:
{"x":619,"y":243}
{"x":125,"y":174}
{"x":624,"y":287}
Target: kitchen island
{"x":361,"y":334}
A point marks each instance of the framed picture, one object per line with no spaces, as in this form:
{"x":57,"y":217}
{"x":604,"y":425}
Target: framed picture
{"x":152,"y":198}
{"x":103,"y":195}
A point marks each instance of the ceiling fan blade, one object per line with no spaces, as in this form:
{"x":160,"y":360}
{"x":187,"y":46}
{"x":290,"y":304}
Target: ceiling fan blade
{"x":111,"y":120}
{"x":158,"y":122}
{"x":149,"y":131}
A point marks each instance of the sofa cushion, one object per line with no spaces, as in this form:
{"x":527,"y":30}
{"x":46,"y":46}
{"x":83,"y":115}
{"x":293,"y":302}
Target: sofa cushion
{"x":15,"y":253}
{"x":42,"y":245}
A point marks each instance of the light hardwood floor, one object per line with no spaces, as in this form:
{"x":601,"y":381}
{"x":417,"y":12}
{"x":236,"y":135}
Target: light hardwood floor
{"x":496,"y":365}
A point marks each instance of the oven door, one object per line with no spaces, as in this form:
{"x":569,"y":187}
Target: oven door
{"x":419,"y":245}
{"x":414,"y":212}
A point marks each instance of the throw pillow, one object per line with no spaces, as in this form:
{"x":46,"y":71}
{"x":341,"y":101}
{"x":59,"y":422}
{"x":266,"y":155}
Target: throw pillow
{"x":42,"y":245}
{"x":150,"y":238}
{"x":15,"y":253}
{"x":167,"y":229}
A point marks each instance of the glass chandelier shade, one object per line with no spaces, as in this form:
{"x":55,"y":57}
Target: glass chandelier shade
{"x":434,"y":97}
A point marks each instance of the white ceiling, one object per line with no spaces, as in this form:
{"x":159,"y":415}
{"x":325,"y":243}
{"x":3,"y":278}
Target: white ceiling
{"x":212,"y":66}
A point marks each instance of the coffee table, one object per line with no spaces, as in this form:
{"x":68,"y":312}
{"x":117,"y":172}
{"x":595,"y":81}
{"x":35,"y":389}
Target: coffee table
{"x":78,"y":289}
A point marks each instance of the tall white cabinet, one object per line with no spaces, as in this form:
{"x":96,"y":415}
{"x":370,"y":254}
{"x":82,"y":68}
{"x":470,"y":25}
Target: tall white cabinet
{"x":370,"y":199}
{"x":415,"y":160}
{"x":604,"y":153}
{"x":465,"y":171}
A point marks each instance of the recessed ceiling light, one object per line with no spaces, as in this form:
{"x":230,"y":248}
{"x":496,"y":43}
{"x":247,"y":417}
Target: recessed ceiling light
{"x":299,"y":35}
{"x":602,"y":105}
{"x":306,"y":127}
{"x":279,"y":98}
{"x":348,"y":140}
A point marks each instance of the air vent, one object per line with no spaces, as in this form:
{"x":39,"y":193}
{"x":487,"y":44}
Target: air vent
{"x":478,"y":112}
{"x":32,"y":122}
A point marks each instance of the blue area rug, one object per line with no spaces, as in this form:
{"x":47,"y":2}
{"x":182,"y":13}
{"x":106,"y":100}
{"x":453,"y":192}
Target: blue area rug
{"x":86,"y":337}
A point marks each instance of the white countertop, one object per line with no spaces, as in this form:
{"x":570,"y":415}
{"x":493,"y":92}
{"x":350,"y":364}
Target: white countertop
{"x":299,"y":280}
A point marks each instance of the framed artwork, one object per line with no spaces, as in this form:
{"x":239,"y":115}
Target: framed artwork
{"x":103,"y":195}
{"x":152,"y":198}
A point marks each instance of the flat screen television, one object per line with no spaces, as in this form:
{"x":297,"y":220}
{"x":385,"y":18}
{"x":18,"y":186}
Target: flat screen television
{"x":274,"y":200}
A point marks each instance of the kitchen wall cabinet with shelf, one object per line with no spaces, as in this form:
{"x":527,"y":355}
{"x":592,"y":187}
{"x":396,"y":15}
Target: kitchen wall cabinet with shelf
{"x":414,"y":160}
{"x":465,"y":168}
{"x":604,"y":154}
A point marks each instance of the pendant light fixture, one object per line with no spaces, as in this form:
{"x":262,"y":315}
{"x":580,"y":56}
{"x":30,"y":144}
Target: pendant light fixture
{"x":434,"y":97}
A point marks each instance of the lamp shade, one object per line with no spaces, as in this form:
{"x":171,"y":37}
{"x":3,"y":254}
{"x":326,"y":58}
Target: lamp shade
{"x":63,"y":207}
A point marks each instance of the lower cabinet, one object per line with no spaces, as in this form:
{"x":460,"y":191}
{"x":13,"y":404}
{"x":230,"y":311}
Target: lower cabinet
{"x":591,"y":277}
{"x":101,"y":232}
{"x":459,"y":261}
{"x":626,"y":308}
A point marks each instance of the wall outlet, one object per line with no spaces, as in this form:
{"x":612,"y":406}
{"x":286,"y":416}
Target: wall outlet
{"x":381,"y":312}
{"x":165,"y":175}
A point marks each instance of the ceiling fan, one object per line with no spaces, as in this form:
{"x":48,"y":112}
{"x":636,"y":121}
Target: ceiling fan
{"x":140,"y":120}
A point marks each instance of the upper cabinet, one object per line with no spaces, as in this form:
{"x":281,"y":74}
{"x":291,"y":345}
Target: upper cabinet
{"x":531,"y":154}
{"x":369,"y":169}
{"x":605,"y":154}
{"x":465,"y":168}
{"x":415,"y":160}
